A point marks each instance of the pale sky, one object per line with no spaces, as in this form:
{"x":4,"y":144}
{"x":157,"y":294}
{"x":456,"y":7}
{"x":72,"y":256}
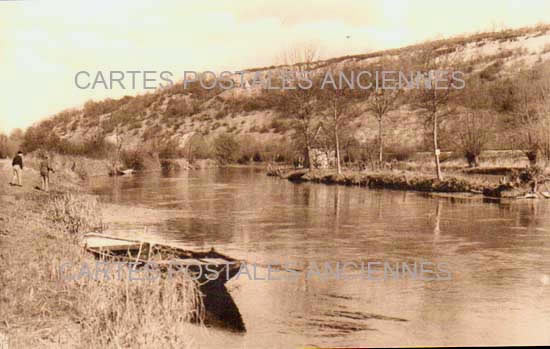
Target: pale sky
{"x":43,"y":44}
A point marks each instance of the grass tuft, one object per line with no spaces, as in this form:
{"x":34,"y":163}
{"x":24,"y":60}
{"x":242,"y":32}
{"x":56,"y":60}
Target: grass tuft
{"x":46,"y":300}
{"x":77,"y":213}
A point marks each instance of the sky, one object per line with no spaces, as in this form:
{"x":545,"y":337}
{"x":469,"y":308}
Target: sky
{"x":44,"y":44}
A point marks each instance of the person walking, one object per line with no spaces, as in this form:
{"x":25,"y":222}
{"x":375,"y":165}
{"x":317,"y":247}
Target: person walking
{"x":45,"y":173}
{"x":17,"y":165}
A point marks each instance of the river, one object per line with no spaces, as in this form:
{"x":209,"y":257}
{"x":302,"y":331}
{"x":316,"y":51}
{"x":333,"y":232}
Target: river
{"x":497,"y":254}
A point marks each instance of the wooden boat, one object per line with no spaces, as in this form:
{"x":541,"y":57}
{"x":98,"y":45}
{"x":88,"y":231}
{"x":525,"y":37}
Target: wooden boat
{"x":530,"y":196}
{"x":546,"y":194}
{"x":212,"y":270}
{"x":119,"y":172}
{"x":205,"y":265}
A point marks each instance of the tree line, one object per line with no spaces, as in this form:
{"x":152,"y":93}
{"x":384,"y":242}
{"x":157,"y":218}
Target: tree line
{"x":515,"y":106}
{"x":505,"y":107}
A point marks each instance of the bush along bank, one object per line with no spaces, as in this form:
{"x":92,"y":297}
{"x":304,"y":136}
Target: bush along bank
{"x":405,"y":180}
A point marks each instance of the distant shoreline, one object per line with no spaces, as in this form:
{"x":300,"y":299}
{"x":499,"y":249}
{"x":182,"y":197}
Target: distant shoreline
{"x":404,"y":180}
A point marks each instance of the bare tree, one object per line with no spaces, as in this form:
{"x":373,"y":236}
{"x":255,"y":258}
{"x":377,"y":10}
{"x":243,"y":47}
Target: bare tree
{"x":473,"y":128}
{"x":300,"y":57}
{"x":544,"y":111}
{"x":303,"y":110}
{"x":473,"y":132}
{"x":433,"y":96}
{"x":531,"y":120}
{"x":300,"y":100}
{"x":339,"y":100}
{"x":381,"y":102}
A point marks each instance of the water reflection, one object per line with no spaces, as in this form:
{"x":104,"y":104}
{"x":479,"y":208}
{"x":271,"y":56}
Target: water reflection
{"x":497,"y":252}
{"x":437,"y":229}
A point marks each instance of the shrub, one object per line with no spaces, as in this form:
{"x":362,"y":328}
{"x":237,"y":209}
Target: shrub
{"x":40,"y":137}
{"x":279,"y":150}
{"x":503,"y":95}
{"x":77,"y":213}
{"x":133,"y":159}
{"x":7,"y":147}
{"x":257,"y":157}
{"x":170,"y":150}
{"x":178,"y":107}
{"x":491,"y":71}
{"x":93,"y":109}
{"x":279,"y":126}
{"x":226,"y":148}
{"x":249,"y":104}
{"x":151,"y":132}
{"x":202,"y":149}
{"x":221,"y":114}
{"x":399,"y":152}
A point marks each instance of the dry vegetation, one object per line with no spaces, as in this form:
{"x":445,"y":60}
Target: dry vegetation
{"x":505,"y":106}
{"x":40,"y":307}
{"x":196,"y":123}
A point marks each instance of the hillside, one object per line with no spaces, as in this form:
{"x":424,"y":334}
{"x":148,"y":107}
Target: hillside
{"x":173,"y":115}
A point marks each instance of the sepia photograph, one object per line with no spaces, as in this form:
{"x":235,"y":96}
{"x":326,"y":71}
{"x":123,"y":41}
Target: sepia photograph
{"x":274,"y":173}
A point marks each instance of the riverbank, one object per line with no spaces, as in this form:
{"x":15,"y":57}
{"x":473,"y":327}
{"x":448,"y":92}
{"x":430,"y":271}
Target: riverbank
{"x":39,"y":307}
{"x":384,"y":179}
{"x":403,"y":180}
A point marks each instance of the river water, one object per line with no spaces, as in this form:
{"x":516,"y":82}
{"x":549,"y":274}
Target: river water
{"x":497,"y":289}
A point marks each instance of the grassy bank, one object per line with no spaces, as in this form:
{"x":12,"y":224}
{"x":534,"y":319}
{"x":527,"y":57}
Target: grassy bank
{"x":516,"y":186}
{"x":402,"y":180}
{"x":183,"y":164}
{"x":39,"y":307}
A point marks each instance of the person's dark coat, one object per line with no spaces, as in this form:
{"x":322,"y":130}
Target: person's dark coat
{"x":17,"y":160}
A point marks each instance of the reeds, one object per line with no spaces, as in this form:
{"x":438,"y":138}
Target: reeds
{"x":76,"y":212}
{"x":116,"y":310}
{"x":46,"y":301}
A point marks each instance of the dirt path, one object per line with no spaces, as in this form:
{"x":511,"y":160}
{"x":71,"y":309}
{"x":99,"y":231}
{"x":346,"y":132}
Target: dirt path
{"x":35,"y":308}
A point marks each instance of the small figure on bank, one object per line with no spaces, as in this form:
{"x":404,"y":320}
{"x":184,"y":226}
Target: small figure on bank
{"x":45,"y":173}
{"x":17,"y":165}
